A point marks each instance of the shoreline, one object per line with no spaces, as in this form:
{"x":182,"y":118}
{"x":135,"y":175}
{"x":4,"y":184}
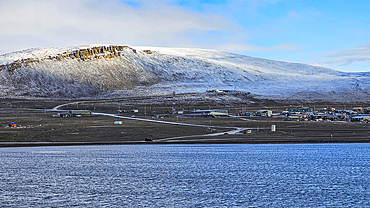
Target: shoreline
{"x":187,"y":142}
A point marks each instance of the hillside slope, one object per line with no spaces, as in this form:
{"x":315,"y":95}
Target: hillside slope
{"x":106,"y":70}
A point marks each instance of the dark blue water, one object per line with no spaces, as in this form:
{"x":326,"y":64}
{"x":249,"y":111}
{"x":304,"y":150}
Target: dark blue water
{"x":303,"y":175}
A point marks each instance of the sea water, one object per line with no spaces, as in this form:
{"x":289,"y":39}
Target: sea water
{"x":282,"y":175}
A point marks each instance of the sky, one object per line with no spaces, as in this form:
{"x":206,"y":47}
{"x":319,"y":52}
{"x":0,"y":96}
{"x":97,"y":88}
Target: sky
{"x":329,"y":33}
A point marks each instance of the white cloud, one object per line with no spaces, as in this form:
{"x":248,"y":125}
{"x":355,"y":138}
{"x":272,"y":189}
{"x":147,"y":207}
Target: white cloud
{"x":52,"y":23}
{"x":305,"y":14}
{"x":69,"y":22}
{"x":345,"y":57}
{"x":245,"y":47}
{"x":293,"y":14}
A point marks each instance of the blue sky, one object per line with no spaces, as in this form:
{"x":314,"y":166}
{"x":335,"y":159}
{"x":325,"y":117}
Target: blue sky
{"x":330,"y":33}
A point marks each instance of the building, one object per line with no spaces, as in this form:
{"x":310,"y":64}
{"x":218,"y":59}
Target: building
{"x":79,"y":112}
{"x":63,"y":115}
{"x":301,"y":110}
{"x":361,"y":117}
{"x":295,"y":116}
{"x":317,"y":117}
{"x":206,"y":113}
{"x":359,"y":110}
{"x":367,"y":110}
{"x":267,"y":113}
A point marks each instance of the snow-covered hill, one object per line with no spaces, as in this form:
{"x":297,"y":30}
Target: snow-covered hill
{"x":104,"y":70}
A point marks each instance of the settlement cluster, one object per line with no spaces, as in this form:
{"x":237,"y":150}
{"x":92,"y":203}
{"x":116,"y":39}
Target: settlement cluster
{"x":357,"y":114}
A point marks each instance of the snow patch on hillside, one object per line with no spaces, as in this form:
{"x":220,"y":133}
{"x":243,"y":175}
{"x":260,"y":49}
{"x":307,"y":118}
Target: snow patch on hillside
{"x":156,"y":70}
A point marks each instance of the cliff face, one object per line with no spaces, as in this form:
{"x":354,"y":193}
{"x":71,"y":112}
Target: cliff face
{"x":109,"y":70}
{"x":85,"y":72}
{"x":96,"y":52}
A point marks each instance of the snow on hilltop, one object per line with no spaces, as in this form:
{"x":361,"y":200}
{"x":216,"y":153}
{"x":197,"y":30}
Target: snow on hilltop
{"x":110,"y":70}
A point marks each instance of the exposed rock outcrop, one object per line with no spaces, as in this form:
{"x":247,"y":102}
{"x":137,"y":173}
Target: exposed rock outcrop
{"x":84,"y":54}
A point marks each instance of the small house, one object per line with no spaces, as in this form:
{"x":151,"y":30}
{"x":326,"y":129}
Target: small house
{"x":358,"y":109}
{"x":319,"y":116}
{"x":295,"y":116}
{"x":367,"y":110}
{"x":267,"y":113}
{"x":361,"y":117}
